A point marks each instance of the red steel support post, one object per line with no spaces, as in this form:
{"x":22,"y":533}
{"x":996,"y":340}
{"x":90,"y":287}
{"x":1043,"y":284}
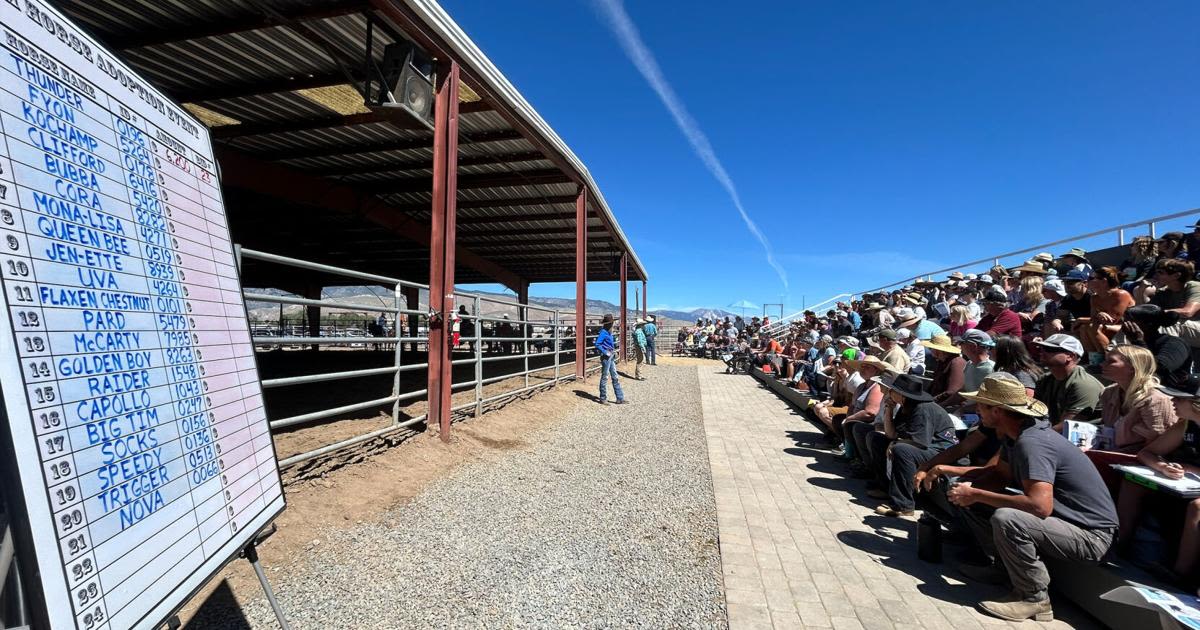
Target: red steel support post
{"x":441,"y":249}
{"x":624,"y":354}
{"x":581,"y":340}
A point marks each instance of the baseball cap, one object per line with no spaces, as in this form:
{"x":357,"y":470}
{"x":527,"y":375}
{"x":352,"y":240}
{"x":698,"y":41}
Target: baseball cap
{"x":1055,"y":285}
{"x":985,"y":278}
{"x":1063,"y":342}
{"x":995,"y":295}
{"x":1075,"y":275}
{"x":978,"y":337}
{"x":902,"y":334}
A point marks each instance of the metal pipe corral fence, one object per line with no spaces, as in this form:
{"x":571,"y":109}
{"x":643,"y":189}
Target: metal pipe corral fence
{"x":503,"y":349}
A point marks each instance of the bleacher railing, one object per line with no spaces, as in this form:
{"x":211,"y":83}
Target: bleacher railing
{"x":1150,"y":224}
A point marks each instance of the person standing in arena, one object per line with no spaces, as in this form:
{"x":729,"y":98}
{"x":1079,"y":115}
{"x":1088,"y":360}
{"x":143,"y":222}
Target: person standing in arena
{"x":606,"y":345}
{"x":651,"y":332}
{"x":639,"y":347}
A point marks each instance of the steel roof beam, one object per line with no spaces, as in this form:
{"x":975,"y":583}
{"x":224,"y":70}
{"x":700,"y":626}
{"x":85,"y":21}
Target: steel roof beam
{"x":518,"y":232}
{"x":423,"y":142}
{"x":416,"y":165}
{"x":396,"y":117}
{"x":244,"y":171}
{"x":550,"y":200}
{"x":513,"y":218}
{"x":490,"y":180}
{"x":220,"y":27}
{"x":260,"y":87}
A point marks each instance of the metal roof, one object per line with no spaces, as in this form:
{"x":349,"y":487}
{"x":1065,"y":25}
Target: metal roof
{"x":265,"y":76}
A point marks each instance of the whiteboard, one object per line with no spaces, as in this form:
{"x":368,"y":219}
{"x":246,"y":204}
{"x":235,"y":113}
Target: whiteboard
{"x":130,"y":389}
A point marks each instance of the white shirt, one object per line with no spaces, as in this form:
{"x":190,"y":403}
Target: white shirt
{"x":916,"y":354}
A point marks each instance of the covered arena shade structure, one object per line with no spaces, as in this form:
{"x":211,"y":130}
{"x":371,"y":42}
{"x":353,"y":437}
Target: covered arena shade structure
{"x":486,"y":194}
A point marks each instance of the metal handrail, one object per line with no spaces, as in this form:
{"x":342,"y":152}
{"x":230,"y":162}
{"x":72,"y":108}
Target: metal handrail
{"x":1150,"y":223}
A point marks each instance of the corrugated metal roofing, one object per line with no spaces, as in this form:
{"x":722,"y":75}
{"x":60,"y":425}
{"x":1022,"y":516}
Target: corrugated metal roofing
{"x":239,"y":59}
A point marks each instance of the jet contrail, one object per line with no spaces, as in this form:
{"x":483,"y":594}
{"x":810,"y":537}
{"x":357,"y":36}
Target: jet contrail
{"x":631,"y":41}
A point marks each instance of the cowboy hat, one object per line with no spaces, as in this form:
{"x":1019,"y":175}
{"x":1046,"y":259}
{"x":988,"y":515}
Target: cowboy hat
{"x":872,"y":361}
{"x":1077,"y":253}
{"x":639,"y":321}
{"x":910,"y":387}
{"x":995,"y":296}
{"x":1004,"y":390}
{"x":1030,"y":266}
{"x":607,"y":319}
{"x":957,"y":275}
{"x":885,"y":379}
{"x":908,"y":319}
{"x":943,"y":343}
{"x":875,"y":306}
{"x":1187,"y":389}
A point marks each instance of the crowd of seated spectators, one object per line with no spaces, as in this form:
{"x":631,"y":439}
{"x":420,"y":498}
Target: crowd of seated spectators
{"x":997,"y":404}
{"x":717,"y":338}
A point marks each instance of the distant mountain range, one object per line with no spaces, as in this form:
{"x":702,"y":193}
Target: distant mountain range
{"x":261,"y":311}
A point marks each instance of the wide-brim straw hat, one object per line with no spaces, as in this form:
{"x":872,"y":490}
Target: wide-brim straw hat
{"x":1030,"y":266}
{"x":908,"y":321}
{"x":875,"y":306}
{"x":1003,"y":390}
{"x":943,"y":343}
{"x":1077,"y":253}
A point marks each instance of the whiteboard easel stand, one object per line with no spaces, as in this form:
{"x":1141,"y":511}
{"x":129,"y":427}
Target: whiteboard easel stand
{"x":250,"y":553}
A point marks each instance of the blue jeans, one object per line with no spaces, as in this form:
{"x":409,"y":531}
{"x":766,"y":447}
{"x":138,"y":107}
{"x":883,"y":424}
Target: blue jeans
{"x":651,"y":353}
{"x":608,"y":365}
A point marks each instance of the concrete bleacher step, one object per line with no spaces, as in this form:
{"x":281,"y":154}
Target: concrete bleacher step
{"x":794,"y":397}
{"x":1084,"y":583}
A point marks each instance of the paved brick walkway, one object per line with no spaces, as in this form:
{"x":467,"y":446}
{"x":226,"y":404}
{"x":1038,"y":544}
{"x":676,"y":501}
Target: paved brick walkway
{"x":801,"y":546}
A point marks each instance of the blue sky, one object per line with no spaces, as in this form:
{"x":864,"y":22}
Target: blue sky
{"x":870,"y":141}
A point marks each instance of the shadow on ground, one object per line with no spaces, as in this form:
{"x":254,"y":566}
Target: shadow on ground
{"x":939,"y":580}
{"x":220,"y":610}
{"x":588,"y":395}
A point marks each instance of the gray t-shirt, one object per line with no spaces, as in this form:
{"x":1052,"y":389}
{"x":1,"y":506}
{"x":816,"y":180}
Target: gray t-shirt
{"x":974,"y":373}
{"x":1167,"y":299}
{"x":1080,"y":496}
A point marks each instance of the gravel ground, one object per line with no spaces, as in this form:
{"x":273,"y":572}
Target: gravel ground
{"x":606,"y":520}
